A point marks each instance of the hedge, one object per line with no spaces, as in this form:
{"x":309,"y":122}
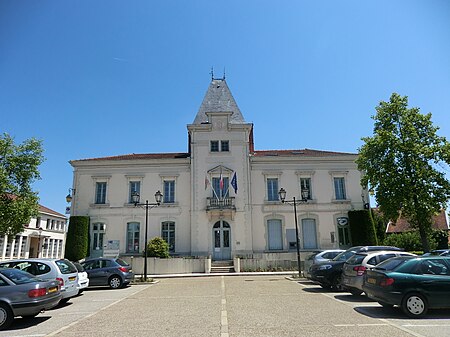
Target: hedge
{"x":362,"y":228}
{"x":77,"y":246}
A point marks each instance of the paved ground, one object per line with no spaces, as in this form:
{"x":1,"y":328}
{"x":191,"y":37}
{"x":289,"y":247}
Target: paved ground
{"x":227,"y":306}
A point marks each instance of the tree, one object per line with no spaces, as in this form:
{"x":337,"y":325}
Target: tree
{"x":404,"y":163}
{"x":18,"y":170}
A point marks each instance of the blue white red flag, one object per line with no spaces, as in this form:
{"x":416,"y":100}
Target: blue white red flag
{"x":234,"y":182}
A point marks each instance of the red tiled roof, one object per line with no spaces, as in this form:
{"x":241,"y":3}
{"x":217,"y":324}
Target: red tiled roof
{"x":44,"y":209}
{"x":303,"y":152}
{"x":138,"y":156}
{"x":439,"y":222}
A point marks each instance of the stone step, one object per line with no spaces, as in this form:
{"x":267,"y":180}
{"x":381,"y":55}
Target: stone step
{"x":223,"y":269}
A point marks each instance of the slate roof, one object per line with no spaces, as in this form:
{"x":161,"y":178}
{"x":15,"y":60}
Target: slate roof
{"x":218,"y":98}
{"x":439,"y":222}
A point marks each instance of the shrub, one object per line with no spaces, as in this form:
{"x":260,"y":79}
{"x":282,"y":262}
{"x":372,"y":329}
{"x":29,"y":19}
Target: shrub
{"x":77,"y":246}
{"x":409,"y":241}
{"x":441,"y":238}
{"x":157,"y":247}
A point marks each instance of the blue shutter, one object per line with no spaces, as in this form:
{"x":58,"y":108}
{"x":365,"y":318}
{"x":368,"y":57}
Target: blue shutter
{"x":275,"y":234}
{"x":309,"y":234}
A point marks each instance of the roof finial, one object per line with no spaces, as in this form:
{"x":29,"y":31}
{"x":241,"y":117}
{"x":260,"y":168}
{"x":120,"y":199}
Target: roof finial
{"x":224,"y":73}
{"x":212,"y":73}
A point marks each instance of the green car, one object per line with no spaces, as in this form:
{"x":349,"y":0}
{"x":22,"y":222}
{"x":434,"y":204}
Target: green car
{"x":416,"y":284}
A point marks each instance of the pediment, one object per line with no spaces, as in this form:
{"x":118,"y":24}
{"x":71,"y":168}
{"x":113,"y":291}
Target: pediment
{"x":219,"y":169}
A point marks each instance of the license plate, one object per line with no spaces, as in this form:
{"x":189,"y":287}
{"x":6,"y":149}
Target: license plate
{"x":371,"y":280}
{"x":52,"y":290}
{"x":72,"y":278}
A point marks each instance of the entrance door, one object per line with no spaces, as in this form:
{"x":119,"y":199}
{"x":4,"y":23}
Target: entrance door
{"x":221,"y":240}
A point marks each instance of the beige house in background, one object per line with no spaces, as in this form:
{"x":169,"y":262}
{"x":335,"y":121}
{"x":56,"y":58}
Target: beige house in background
{"x":43,"y":237}
{"x":220,"y":198}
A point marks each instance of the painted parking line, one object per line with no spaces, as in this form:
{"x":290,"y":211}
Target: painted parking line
{"x":383,"y":320}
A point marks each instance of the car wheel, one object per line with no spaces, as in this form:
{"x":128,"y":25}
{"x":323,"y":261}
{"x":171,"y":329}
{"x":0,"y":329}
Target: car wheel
{"x":115,"y":282}
{"x":337,"y":282}
{"x":6,"y":316}
{"x":414,"y":305}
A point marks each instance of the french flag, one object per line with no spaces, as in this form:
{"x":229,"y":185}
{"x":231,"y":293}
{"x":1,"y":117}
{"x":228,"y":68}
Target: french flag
{"x":221,"y":181}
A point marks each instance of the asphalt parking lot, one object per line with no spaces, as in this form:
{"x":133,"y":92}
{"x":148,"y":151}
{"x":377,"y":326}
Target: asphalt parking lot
{"x":227,"y":306}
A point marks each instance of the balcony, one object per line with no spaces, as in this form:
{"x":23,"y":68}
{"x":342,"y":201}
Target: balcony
{"x":220,"y":204}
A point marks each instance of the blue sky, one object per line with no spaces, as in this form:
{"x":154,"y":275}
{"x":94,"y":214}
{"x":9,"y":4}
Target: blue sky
{"x":100,"y":78}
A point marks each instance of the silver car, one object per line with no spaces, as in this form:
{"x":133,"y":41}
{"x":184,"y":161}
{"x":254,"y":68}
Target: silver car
{"x":23,"y":294}
{"x":320,"y":257}
{"x":61,"y":270}
{"x":355,"y":268}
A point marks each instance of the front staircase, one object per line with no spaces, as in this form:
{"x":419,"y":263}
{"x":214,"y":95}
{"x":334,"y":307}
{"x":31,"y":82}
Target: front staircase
{"x":222,"y":267}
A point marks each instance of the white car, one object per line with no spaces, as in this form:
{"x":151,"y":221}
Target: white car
{"x":320,"y":257}
{"x":83,"y":279}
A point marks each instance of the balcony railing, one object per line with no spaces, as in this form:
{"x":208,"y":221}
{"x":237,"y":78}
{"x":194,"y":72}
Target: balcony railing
{"x":224,"y":203}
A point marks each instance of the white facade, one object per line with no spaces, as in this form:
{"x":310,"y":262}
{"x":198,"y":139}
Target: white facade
{"x":43,"y":237}
{"x":198,"y":217}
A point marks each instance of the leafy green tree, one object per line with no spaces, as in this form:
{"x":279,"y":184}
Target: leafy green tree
{"x":404,"y":163}
{"x":158,"y":247}
{"x":18,"y":170}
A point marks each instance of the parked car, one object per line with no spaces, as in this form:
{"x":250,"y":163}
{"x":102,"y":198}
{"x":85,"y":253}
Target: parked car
{"x":355,"y":268}
{"x":83,"y":279}
{"x":23,"y":294}
{"x":415,"y":284}
{"x":318,"y":257}
{"x":61,"y":270}
{"x":438,"y":252}
{"x":328,"y":273}
{"x":113,"y":272}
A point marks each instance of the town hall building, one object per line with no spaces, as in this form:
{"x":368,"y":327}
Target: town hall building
{"x":221,"y":197}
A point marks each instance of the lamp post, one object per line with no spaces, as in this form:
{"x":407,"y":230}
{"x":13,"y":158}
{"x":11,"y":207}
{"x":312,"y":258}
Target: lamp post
{"x":39,"y":244}
{"x":304,"y":199}
{"x":135,"y":197}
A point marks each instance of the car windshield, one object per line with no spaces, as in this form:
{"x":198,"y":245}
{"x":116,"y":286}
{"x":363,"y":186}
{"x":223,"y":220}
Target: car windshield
{"x":122,"y":262}
{"x":66,"y":267}
{"x":78,"y":266}
{"x":391,"y":264}
{"x":356,"y":259}
{"x":19,"y":276}
{"x":344,"y":256}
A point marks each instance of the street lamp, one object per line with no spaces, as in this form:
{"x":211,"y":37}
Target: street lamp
{"x":39,"y":245}
{"x":304,"y":199}
{"x":69,"y":196}
{"x":135,"y":197}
